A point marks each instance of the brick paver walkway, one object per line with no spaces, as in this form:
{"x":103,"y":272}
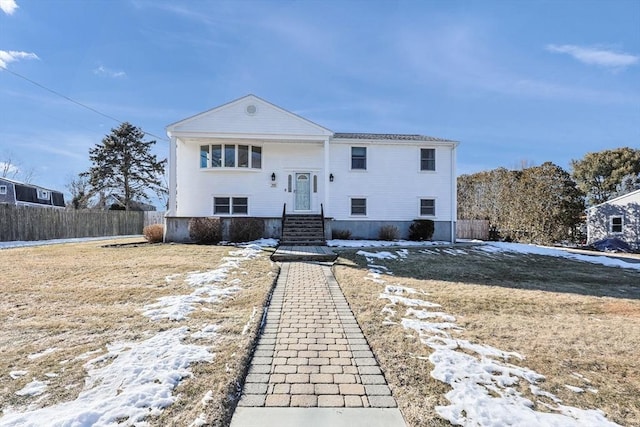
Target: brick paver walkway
{"x":312,"y":352}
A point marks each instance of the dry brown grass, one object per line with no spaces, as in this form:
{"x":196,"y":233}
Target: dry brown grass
{"x":564,"y":316}
{"x":79,"y":297}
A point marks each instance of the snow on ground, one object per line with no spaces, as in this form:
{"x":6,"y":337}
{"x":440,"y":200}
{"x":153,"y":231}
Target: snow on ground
{"x":132,"y":381}
{"x":482,"y":377}
{"x":206,"y":287}
{"x":381,"y":243}
{"x":41,"y":354}
{"x":135,"y":380}
{"x":34,"y":388}
{"x":22,"y":244}
{"x":501,"y":247}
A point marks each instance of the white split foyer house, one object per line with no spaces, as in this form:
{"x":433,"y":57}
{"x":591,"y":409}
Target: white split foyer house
{"x":251,"y":158}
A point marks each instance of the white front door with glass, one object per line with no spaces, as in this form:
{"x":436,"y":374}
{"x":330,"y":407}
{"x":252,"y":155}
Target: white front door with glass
{"x":303,"y":192}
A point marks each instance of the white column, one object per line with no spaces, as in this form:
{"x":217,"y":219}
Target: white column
{"x":327,"y":171}
{"x":173,"y":202}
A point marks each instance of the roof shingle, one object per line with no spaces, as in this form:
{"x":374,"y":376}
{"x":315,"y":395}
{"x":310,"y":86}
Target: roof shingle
{"x":389,"y":136}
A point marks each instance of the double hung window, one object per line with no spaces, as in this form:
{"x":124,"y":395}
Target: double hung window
{"x":427,"y":159}
{"x":359,"y":158}
{"x":427,"y":207}
{"x":358,"y":206}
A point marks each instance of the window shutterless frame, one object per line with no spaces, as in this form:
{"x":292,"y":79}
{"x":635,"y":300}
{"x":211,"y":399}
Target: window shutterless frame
{"x":427,"y":159}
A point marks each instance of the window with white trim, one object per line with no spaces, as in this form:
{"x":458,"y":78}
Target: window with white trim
{"x":3,"y":189}
{"x":427,"y":207}
{"x":230,"y":156}
{"x":359,"y":158}
{"x":230,"y":205}
{"x":616,"y":224}
{"x":427,"y":159}
{"x":43,"y":194}
{"x":358,"y":206}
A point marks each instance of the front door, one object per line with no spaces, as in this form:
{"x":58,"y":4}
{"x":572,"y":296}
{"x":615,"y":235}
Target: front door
{"x":303,"y":191}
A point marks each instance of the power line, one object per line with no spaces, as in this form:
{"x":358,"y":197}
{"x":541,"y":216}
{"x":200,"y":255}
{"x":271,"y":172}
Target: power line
{"x":77,"y":102}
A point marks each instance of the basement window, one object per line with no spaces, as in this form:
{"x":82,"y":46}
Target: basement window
{"x":358,"y":206}
{"x":230,"y":205}
{"x":427,"y":207}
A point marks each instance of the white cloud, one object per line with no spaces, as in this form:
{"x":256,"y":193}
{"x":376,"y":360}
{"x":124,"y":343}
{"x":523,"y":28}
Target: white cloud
{"x":596,"y":55}
{"x":107,"y":72}
{"x":9,"y":56}
{"x":8,"y":6}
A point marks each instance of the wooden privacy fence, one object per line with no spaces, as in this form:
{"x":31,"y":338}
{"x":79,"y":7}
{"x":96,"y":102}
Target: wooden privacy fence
{"x":472,"y":229}
{"x":35,"y":223}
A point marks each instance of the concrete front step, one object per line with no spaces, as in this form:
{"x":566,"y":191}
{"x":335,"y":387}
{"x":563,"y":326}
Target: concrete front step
{"x":299,"y":252}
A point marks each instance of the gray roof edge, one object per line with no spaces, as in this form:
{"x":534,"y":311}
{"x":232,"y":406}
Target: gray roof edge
{"x":389,"y":137}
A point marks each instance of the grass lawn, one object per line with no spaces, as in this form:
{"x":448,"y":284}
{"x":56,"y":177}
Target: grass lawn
{"x":77,"y":298}
{"x":576,"y":323}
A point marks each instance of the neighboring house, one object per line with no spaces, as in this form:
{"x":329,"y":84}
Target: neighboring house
{"x":250,"y":158}
{"x":21,"y":194}
{"x":117,"y":203}
{"x":619,"y":217}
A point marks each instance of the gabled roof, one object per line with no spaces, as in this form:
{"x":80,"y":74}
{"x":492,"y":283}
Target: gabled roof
{"x":248,"y":115}
{"x":390,"y":136}
{"x":616,"y":200}
{"x":13,"y":181}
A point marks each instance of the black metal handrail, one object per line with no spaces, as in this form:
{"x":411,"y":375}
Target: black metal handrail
{"x":284,"y":213}
{"x":322,"y":216}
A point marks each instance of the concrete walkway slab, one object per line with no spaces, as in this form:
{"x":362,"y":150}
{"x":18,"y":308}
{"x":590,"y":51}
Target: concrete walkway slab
{"x":317,"y":417}
{"x":304,"y":253}
{"x":313,"y":355}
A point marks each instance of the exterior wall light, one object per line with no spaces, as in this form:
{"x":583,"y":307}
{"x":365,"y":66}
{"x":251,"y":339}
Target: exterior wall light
{"x":330,"y":177}
{"x":273,"y":176}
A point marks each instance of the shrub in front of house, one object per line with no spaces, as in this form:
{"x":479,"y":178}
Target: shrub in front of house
{"x":421,"y":229}
{"x":205,"y":231}
{"x":389,"y":233}
{"x":341,"y":234}
{"x":245,"y":229}
{"x":153,"y":233}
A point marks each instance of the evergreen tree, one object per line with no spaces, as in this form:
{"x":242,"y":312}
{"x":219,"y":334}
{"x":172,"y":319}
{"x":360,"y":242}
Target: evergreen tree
{"x":124,"y":168}
{"x":538,"y":204}
{"x":600,"y":174}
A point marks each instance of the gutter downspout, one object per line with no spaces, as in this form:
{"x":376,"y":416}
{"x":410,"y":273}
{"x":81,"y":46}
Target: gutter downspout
{"x":454,"y":194}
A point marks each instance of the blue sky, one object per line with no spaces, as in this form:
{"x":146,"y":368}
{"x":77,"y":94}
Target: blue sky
{"x":513,"y":81}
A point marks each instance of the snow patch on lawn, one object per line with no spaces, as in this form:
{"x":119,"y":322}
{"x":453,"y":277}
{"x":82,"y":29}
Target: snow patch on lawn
{"x":337,"y":243}
{"x":34,"y":356}
{"x":17,"y":374}
{"x":501,"y":247}
{"x":179,"y":307}
{"x":482,"y":377}
{"x":131,"y":382}
{"x":34,"y":388}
